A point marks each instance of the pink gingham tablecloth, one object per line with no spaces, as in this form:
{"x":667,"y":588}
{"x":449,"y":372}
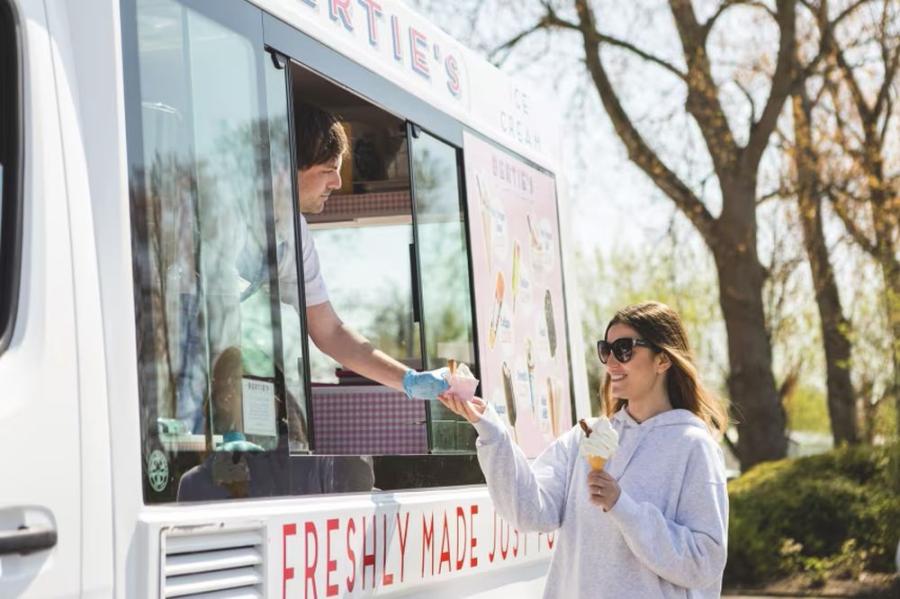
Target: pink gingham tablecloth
{"x":367,"y":421}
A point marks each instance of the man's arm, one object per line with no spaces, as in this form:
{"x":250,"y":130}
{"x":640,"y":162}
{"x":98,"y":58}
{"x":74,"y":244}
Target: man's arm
{"x":351,"y":349}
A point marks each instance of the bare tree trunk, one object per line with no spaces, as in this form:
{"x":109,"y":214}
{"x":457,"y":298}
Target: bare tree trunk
{"x":835,"y":327}
{"x":885,"y":202}
{"x":880,"y":192}
{"x":756,"y":404}
{"x":890,"y":268}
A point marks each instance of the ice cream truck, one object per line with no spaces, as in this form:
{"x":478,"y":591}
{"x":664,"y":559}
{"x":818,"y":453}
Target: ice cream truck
{"x":167,"y":427}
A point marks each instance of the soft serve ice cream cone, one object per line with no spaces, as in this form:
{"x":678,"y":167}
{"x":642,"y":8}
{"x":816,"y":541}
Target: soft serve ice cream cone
{"x":599,"y":443}
{"x":596,"y":462}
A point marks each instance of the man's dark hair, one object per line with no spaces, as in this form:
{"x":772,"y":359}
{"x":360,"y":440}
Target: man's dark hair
{"x":320,"y":136}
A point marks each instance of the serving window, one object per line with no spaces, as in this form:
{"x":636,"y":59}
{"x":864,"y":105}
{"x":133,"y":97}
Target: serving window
{"x":391,"y":246}
{"x":235,"y":400}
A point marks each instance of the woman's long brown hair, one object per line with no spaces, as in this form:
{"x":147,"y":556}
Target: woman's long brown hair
{"x":660,"y":325}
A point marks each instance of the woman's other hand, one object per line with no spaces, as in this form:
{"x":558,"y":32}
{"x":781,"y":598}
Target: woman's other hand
{"x":603,"y":488}
{"x":470,"y":410}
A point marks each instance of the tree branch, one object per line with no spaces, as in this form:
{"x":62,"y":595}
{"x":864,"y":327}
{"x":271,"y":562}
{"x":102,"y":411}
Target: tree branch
{"x":826,"y":38}
{"x":703,"y":102}
{"x":890,"y":71}
{"x":724,"y":6}
{"x":888,"y":114}
{"x":510,"y":44}
{"x":778,"y":192}
{"x":862,"y":107}
{"x":552,"y":20}
{"x":750,"y":100}
{"x":843,"y":128}
{"x":858,"y":235}
{"x":606,"y":39}
{"x":638,"y":150}
{"x":782,"y":84}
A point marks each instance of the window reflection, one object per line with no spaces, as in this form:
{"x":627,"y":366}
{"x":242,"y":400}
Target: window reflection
{"x":443,"y":252}
{"x":214,"y":389}
{"x":222,"y":358}
{"x":369,"y":282}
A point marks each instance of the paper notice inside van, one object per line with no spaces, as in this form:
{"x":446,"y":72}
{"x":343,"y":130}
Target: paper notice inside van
{"x":259,"y":407}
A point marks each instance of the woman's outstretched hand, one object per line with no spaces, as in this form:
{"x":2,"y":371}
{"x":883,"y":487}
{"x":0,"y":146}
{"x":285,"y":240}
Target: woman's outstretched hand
{"x":470,"y":410}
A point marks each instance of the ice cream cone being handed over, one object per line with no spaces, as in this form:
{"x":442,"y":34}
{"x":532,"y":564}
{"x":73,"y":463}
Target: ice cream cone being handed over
{"x":462,"y":383}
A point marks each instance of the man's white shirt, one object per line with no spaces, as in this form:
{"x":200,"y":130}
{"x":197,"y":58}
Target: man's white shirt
{"x":314,"y":284}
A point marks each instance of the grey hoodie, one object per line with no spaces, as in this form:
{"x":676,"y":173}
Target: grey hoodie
{"x":664,"y":537}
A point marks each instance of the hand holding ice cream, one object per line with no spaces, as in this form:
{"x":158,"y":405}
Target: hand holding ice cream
{"x":598,"y":445}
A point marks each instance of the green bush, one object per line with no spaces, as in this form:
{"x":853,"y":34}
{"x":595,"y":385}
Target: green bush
{"x":830,"y":515}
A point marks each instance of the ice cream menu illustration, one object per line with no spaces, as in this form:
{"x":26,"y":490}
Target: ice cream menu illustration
{"x":523,"y":345}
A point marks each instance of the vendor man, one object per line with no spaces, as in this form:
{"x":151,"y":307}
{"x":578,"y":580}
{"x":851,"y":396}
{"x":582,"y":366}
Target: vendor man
{"x":322,"y":146}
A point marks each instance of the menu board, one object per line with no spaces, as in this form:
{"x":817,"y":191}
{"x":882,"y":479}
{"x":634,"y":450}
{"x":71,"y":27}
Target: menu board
{"x":522,"y":337}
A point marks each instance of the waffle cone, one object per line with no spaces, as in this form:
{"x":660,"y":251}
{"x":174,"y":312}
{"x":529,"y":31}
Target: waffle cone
{"x":596,"y":462}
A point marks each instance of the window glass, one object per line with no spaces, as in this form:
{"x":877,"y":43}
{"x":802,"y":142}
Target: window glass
{"x":444,"y":275}
{"x":289,"y":313}
{"x":372,"y":291}
{"x":235,"y":402}
{"x":210,"y":319}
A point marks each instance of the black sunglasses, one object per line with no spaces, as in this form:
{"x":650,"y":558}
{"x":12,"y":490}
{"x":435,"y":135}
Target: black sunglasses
{"x":622,"y":348}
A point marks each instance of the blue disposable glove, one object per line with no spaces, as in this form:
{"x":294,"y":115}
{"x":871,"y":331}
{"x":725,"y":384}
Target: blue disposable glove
{"x":425,"y":385}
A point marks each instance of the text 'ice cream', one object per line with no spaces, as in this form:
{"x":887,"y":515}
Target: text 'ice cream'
{"x":599,"y":443}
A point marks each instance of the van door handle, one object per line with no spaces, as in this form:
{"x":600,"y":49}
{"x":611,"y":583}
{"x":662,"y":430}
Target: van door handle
{"x":27,"y":540}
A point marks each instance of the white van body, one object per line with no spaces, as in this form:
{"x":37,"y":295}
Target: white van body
{"x":69,"y":414}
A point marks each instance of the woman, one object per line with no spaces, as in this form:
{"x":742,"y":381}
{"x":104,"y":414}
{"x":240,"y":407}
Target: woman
{"x":653,"y":522}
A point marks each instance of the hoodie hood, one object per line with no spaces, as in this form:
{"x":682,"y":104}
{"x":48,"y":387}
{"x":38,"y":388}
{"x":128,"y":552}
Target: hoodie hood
{"x":674,"y":417}
{"x":631,"y":433}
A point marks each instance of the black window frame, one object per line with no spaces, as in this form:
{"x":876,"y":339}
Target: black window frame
{"x":393,"y":472}
{"x":12,"y":158}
